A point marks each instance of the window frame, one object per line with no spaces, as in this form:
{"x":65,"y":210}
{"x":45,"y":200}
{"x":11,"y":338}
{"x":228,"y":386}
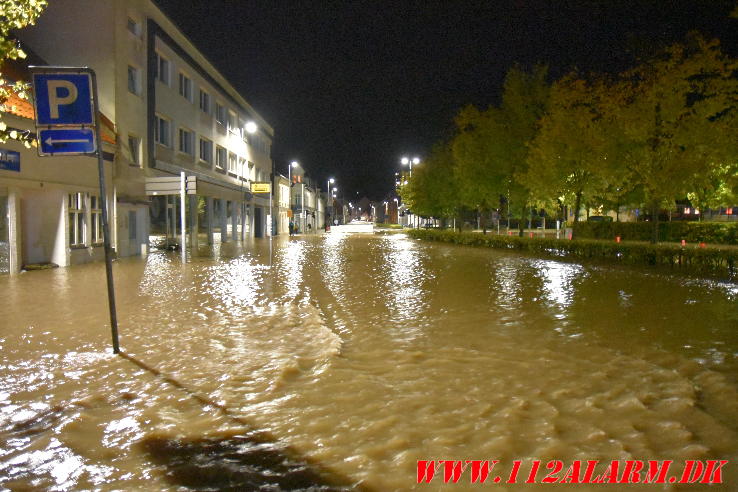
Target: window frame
{"x":185,"y":86}
{"x":77,"y":216}
{"x":136,"y":90}
{"x":208,"y":107}
{"x":221,"y":164}
{"x":186,"y":145}
{"x":232,"y":163}
{"x":96,"y":226}
{"x":163,"y":60}
{"x":134,"y":148}
{"x":232,"y":122}
{"x":221,"y":114}
{"x":209,"y":144}
{"x":158,"y":131}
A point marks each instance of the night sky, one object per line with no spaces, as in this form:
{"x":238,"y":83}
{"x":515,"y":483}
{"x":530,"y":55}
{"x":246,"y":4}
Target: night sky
{"x":350,"y":87}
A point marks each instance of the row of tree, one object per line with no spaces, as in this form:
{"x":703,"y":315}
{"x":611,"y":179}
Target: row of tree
{"x":663,"y":131}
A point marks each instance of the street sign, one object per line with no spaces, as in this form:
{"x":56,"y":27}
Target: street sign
{"x":10,"y":160}
{"x":170,"y":185}
{"x":75,"y":141}
{"x":261,"y":187}
{"x":66,"y":108}
{"x":63,"y":98}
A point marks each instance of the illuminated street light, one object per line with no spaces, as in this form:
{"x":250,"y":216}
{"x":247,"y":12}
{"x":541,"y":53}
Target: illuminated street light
{"x":406,"y":161}
{"x":289,"y":171}
{"x":251,"y":127}
{"x":330,"y":206}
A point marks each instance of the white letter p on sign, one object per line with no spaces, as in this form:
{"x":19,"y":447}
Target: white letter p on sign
{"x":56,"y":99}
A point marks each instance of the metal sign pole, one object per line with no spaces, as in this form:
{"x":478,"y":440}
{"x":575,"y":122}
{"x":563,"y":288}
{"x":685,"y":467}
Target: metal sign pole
{"x":182,"y":192}
{"x":106,"y":229}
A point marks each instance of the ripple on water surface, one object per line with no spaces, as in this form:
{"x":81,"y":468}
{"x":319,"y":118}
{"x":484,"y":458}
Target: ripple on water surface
{"x":357,"y":358}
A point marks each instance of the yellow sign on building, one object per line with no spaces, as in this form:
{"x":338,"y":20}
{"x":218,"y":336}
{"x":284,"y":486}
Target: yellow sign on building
{"x":261,"y":187}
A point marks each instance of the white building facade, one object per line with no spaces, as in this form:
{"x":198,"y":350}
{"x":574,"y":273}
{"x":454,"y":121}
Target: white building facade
{"x":170,"y":110}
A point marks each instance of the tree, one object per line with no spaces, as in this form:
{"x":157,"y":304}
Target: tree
{"x":14,"y":14}
{"x":568,"y":160}
{"x":432,"y":191}
{"x":525,"y":99}
{"x":667,"y":112}
{"x":491,"y":147}
{"x":476,"y":150}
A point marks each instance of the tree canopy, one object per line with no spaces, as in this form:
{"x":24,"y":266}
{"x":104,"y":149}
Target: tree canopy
{"x":14,"y":14}
{"x":659,"y":132}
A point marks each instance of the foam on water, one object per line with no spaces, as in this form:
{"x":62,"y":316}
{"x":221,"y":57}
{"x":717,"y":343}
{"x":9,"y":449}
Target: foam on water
{"x":367,"y":355}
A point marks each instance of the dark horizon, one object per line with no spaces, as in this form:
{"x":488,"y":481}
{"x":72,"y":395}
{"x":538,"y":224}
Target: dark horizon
{"x":352,"y":88}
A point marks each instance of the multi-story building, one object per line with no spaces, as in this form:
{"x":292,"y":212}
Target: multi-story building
{"x":170,"y":111}
{"x":50,"y":209}
{"x":303,"y":200}
{"x":282,"y":204}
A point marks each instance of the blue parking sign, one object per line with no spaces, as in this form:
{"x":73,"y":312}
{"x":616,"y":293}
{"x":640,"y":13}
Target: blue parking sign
{"x":63,"y":98}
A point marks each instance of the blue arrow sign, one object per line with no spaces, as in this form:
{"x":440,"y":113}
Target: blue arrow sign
{"x":66,"y":142}
{"x":63,"y":98}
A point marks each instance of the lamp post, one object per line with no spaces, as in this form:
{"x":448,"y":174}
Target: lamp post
{"x":289,"y":178}
{"x":335,"y":197}
{"x":330,"y":208}
{"x":289,"y":171}
{"x":250,"y":128}
{"x":406,"y":161}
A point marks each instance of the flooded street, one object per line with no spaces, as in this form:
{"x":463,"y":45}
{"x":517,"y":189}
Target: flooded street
{"x":358,"y":355}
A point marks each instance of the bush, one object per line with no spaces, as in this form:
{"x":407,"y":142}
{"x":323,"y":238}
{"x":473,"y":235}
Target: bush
{"x":710,"y":260}
{"x":692,"y":232}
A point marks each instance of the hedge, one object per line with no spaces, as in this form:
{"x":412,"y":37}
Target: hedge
{"x":719,"y":261}
{"x":692,"y":232}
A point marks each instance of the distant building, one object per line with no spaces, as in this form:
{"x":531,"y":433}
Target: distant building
{"x":168,"y":111}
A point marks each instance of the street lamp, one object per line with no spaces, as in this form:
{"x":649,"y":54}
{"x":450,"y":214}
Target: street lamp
{"x":289,"y":171}
{"x":289,"y":178}
{"x":330,"y":180}
{"x":251,"y":127}
{"x":406,"y":161}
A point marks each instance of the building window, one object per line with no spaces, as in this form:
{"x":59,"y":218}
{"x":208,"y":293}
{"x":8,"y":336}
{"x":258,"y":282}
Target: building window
{"x":162,"y":69}
{"x":134,"y":80}
{"x":185,"y":87}
{"x":221,"y":158}
{"x":204,"y":102}
{"x":242,"y":125}
{"x":232,"y":123}
{"x":134,"y":146}
{"x":134,"y":27}
{"x":220,"y":114}
{"x":76,"y":219}
{"x":96,"y":216}
{"x":186,"y":141}
{"x":232,"y":163}
{"x":206,"y":150}
{"x":242,"y":169}
{"x":163,"y":131}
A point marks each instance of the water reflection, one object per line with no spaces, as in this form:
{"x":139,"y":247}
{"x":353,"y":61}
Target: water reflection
{"x":361,"y":355}
{"x":236,"y":283}
{"x":291,"y":268}
{"x":403,"y":288}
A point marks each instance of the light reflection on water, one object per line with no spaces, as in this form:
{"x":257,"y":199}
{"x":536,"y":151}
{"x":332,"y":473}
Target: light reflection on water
{"x":362,"y":355}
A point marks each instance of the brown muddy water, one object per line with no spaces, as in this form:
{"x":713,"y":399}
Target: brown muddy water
{"x":337,"y":362}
